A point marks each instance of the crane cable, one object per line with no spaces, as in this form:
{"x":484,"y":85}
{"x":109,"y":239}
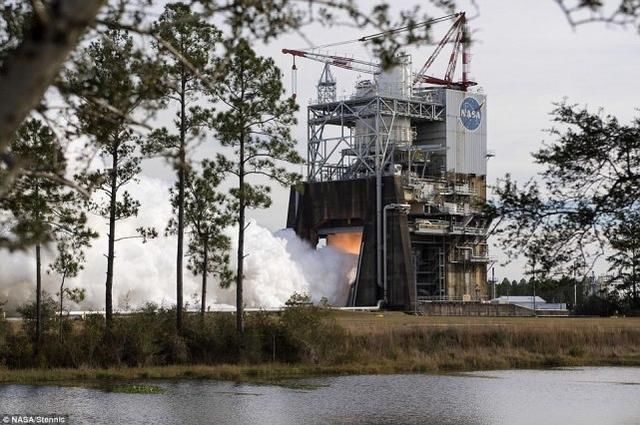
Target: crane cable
{"x":408,"y":27}
{"x":383,"y":33}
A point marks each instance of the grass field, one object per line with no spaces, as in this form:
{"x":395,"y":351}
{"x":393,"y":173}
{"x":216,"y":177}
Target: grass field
{"x":359,"y":322}
{"x":394,"y":342}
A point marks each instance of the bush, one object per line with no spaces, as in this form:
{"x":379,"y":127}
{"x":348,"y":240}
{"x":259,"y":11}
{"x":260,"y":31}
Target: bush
{"x":301,"y":333}
{"x":48,"y":316}
{"x":598,"y":306}
{"x":311,"y":334}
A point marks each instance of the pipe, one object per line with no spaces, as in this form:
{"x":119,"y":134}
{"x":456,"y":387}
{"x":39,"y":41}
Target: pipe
{"x":376,"y":307}
{"x":378,"y":168}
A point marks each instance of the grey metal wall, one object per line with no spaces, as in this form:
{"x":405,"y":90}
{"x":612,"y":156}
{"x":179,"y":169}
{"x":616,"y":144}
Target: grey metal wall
{"x":466,"y":149}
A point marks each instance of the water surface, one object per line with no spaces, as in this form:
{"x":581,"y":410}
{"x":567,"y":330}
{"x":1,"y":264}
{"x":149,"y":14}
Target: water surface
{"x":602,"y":395}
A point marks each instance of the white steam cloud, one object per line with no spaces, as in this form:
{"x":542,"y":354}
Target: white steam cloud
{"x":276,"y":266}
{"x":280,"y":264}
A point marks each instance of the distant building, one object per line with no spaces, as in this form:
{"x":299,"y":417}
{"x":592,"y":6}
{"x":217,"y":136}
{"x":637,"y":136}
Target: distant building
{"x":532,"y":302}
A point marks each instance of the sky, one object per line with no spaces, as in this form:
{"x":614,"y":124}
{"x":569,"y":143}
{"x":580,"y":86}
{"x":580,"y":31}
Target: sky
{"x":525,"y":57}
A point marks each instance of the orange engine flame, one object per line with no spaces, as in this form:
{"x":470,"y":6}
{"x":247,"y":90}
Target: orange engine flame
{"x":348,"y":242}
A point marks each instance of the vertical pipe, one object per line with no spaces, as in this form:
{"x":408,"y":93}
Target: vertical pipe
{"x":384,"y":253}
{"x":378,"y":168}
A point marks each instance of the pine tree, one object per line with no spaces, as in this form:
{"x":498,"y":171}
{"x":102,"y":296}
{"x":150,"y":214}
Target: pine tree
{"x":42,"y":209}
{"x":194,"y":40}
{"x":625,"y":260}
{"x":206,"y":217}
{"x":256,"y":125}
{"x":69,"y":261}
{"x":117,"y":81}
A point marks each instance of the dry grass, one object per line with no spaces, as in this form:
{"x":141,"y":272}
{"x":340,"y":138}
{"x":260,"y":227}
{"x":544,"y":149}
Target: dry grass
{"x":375,"y":322}
{"x":434,"y":344}
{"x":399,"y":343}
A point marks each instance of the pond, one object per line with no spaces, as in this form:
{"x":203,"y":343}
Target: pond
{"x":593,"y":395}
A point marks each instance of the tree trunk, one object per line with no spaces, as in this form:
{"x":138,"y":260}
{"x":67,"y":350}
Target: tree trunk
{"x":241,"y":226}
{"x":29,"y":69}
{"x":108,"y":304}
{"x":38,"y":297}
{"x":61,"y":305}
{"x":181,"y":183}
{"x":635,"y":278}
{"x":205,"y":262}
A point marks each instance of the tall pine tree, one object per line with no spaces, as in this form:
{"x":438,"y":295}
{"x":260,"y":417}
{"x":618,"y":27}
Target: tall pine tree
{"x":116,"y":81}
{"x":194,"y":40}
{"x":256,"y":125}
{"x":42,"y":208}
{"x":207,"y":214}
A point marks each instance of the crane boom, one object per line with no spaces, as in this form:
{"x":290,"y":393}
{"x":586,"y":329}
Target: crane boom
{"x":431,"y":59}
{"x":456,"y":35}
{"x":338,"y":61}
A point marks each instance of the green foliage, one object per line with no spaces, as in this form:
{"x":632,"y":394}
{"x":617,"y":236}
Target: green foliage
{"x":256,"y":125}
{"x":112,"y":72}
{"x":28,"y":314}
{"x":194,"y":40}
{"x":586,"y":201}
{"x":69,"y":262}
{"x":39,"y":208}
{"x":13,"y":19}
{"x":115,"y":81}
{"x":625,"y":260}
{"x":187,"y":38}
{"x":597,"y":305}
{"x":312,"y":333}
{"x":206,"y":215}
{"x":301,"y":333}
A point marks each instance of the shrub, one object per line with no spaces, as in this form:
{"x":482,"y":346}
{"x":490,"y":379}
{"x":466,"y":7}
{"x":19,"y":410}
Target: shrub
{"x":48,"y":316}
{"x":311,"y":332}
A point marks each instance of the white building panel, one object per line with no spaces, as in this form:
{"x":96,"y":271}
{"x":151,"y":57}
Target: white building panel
{"x":466,"y":132}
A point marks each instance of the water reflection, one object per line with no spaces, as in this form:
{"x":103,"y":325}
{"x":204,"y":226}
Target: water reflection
{"x":585,"y":395}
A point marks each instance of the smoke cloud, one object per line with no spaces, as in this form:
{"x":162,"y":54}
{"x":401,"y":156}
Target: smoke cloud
{"x":277,"y":265}
{"x":280,"y":264}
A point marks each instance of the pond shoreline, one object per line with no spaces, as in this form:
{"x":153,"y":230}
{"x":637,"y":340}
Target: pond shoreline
{"x":273,"y":373}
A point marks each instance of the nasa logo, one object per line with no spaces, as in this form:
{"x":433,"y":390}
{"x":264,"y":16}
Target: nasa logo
{"x":470,"y":114}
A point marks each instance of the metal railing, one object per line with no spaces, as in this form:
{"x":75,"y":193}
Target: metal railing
{"x":453,"y":299}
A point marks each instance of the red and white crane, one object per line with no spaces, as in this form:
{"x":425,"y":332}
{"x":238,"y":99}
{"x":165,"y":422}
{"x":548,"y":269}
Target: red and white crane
{"x":457,"y":35}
